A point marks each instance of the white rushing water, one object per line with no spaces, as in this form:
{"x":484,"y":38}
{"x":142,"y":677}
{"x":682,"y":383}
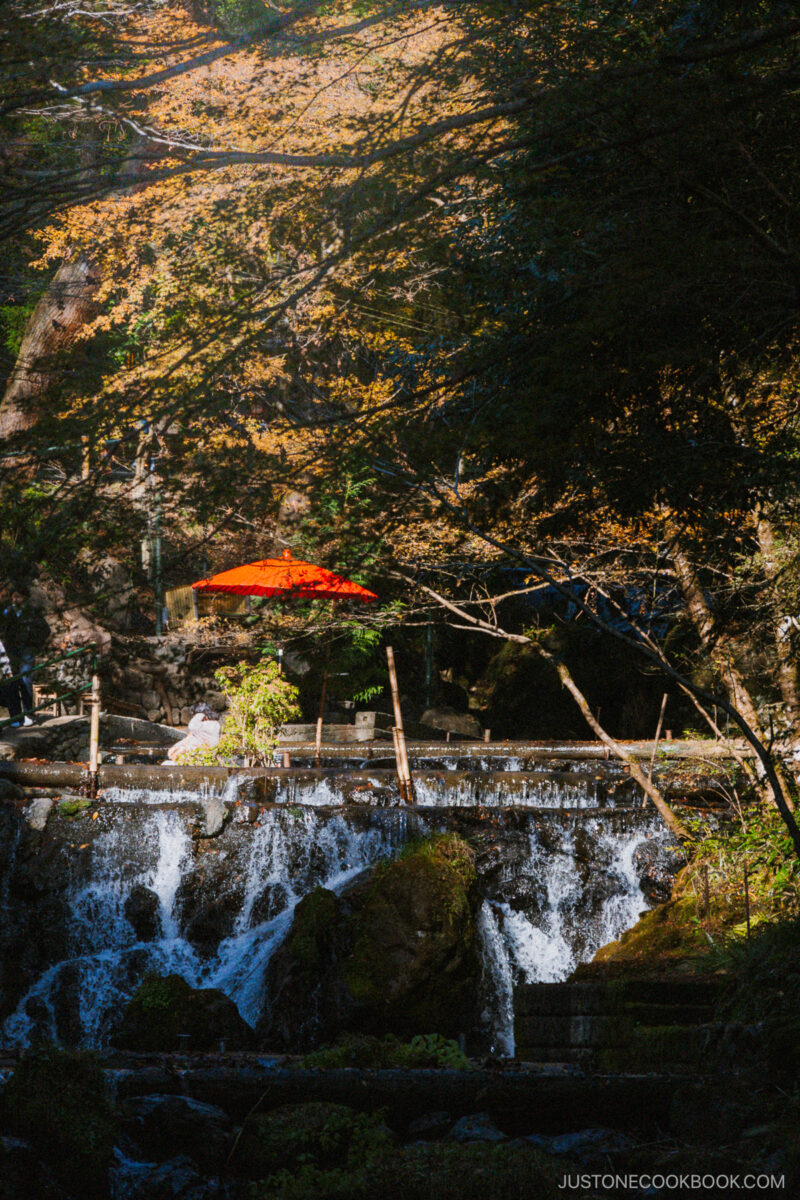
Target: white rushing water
{"x":438,"y":787}
{"x":107,"y":962}
{"x":579,"y":911}
{"x":580,"y":890}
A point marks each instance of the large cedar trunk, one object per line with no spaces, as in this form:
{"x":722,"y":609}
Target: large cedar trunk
{"x":59,"y":316}
{"x":64,"y":309}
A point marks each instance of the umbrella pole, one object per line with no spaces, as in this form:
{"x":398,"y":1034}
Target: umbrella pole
{"x":401,"y":753}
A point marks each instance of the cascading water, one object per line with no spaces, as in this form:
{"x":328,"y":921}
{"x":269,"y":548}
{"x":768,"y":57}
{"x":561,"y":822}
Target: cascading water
{"x":145,"y":895}
{"x":288,"y":853}
{"x":584,"y":896}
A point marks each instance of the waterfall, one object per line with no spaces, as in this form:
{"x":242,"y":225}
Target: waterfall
{"x":588,"y":896}
{"x":145,"y":895}
{"x":288,"y":853}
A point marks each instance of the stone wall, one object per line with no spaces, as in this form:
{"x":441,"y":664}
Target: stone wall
{"x":162,"y":679}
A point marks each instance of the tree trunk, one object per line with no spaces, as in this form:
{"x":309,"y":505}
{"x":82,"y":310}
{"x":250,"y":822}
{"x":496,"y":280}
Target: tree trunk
{"x":636,"y":771}
{"x":720,"y":648}
{"x":59,"y":316}
{"x":63,"y":310}
{"x":787,"y":663}
{"x":569,"y":683}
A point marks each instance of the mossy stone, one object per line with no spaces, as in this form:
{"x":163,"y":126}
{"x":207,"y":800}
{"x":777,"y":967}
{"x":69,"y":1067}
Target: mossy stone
{"x":165,"y":1010}
{"x":318,"y":1134}
{"x":394,"y":954}
{"x":57,"y":1100}
{"x":414,"y":964}
{"x":309,"y":940}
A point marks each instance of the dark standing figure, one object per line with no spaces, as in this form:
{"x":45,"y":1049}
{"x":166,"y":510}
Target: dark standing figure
{"x":23,"y":631}
{"x":9,"y":692}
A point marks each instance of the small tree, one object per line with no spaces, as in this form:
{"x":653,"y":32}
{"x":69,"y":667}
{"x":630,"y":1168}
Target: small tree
{"x":260,"y":700}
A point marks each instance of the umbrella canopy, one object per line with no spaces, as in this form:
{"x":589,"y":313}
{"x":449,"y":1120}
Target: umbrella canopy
{"x":286,"y":576}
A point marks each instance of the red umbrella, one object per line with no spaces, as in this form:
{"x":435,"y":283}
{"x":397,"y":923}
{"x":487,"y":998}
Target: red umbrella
{"x":290,"y":577}
{"x":284,"y":576}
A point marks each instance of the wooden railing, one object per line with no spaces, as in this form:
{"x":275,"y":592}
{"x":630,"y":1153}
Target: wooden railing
{"x":79,"y":689}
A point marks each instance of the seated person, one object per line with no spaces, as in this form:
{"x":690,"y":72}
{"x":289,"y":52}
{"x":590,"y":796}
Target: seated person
{"x":202,"y":730}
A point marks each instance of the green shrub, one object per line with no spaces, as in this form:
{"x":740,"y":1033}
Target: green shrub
{"x":316,"y":1134}
{"x":260,"y":700}
{"x":762,"y":842}
{"x":57,"y":1099}
{"x":436,"y":1171}
{"x":362,"y":1050}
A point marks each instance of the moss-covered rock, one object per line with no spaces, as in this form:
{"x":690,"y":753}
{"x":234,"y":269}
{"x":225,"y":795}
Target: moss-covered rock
{"x":448,"y":1171}
{"x":56,"y":1099}
{"x":396,"y":954}
{"x":165,"y":1010}
{"x":310,"y":941}
{"x":414,"y":964}
{"x":316,"y":1134}
{"x":368,"y":1052}
{"x":678,"y":935}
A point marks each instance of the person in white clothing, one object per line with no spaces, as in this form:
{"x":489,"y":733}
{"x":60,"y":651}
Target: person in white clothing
{"x":202,"y":730}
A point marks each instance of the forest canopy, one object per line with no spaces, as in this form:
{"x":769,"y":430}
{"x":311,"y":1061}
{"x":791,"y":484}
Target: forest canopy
{"x":482,"y":282}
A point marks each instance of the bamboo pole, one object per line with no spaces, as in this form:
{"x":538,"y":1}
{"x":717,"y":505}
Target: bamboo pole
{"x":658,"y":734}
{"x":404,"y":770}
{"x":398,"y":760}
{"x":321,"y":717}
{"x":747,"y":896}
{"x":94,"y":736}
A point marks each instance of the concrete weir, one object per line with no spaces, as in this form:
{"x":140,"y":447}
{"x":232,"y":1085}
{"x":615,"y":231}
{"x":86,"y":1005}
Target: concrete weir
{"x":321,"y":786}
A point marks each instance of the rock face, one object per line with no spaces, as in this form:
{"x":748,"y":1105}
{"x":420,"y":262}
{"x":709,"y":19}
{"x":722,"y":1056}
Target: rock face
{"x":396,"y":954}
{"x":455,"y":722}
{"x":141,"y":909}
{"x":166,"y":1013}
{"x":162,"y":1126}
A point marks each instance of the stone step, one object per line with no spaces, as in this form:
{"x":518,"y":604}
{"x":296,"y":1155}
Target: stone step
{"x":550,"y":1098}
{"x":605,"y":997}
{"x":633,"y":1024}
{"x":591,"y":1030}
{"x":646,"y":1048}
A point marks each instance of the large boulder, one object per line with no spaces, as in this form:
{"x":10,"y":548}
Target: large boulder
{"x":449,"y":720}
{"x":165,"y":1125}
{"x":166,"y":1013}
{"x":396,"y":954}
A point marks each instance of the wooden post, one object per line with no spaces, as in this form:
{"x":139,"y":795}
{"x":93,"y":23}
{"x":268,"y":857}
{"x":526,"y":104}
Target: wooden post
{"x":487,"y":735}
{"x":658,"y":735}
{"x":398,"y":760}
{"x":747,"y":897}
{"x":286,"y":760}
{"x":94,"y":736}
{"x":321,"y":717}
{"x":403,"y":770}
